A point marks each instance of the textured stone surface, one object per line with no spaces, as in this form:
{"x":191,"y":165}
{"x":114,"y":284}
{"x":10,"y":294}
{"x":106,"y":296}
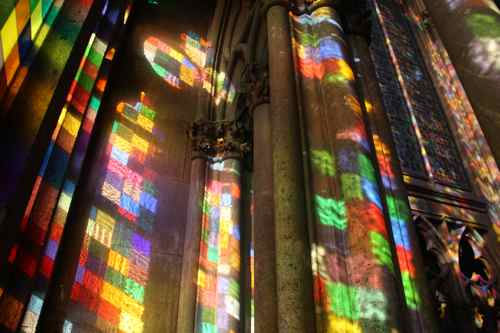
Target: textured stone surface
{"x":295,"y":306}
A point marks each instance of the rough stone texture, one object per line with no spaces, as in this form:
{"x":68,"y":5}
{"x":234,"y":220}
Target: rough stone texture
{"x":264,"y":242}
{"x":293,"y":269}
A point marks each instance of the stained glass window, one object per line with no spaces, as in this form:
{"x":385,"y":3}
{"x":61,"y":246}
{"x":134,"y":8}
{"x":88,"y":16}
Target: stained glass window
{"x":423,"y":139}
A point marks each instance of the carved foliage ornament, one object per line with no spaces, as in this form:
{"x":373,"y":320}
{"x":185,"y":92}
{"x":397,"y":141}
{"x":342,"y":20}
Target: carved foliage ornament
{"x":219,"y":140}
{"x":463,"y":281}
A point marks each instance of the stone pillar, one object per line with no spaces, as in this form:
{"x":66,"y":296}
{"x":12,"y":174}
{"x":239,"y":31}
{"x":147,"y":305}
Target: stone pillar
{"x":266,"y":319}
{"x":187,"y":294}
{"x":473,"y":43}
{"x":293,"y":268}
{"x":355,"y":271}
{"x":186,"y":316}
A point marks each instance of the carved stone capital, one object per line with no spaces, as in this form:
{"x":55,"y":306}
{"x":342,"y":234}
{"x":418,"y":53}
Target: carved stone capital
{"x":220,"y":140}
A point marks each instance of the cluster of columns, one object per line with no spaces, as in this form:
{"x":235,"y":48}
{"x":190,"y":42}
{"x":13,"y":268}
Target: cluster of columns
{"x":324,"y":203}
{"x":326,"y":255}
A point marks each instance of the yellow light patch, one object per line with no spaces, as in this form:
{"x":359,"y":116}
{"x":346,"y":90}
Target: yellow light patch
{"x":341,"y":325}
{"x":140,"y":143}
{"x":130,"y":323}
{"x":42,"y":34}
{"x":9,"y":34}
{"x":64,"y":202}
{"x":118,"y":262}
{"x":112,"y":295}
{"x":111,"y":193}
{"x":346,"y":70}
{"x":176,"y":55}
{"x":71,"y":124}
{"x":36,"y":19}
{"x":353,"y":103}
{"x":145,"y":123}
{"x":121,"y":143}
{"x":201,"y":279}
{"x":368,"y":106}
{"x":301,"y":51}
{"x":213,"y":199}
{"x":90,"y":227}
{"x":226,"y":225}
{"x":186,"y":75}
{"x":129,"y":305}
{"x":103,"y":234}
{"x":105,"y":220}
{"x":223,"y":240}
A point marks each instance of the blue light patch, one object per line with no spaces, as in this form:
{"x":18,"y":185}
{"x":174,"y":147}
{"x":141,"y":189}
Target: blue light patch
{"x":129,"y":205}
{"x":371,"y":193}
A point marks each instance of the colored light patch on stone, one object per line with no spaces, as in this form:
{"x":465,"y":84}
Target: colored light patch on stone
{"x":411,"y":296}
{"x":397,"y":208}
{"x":169,"y":63}
{"x":355,"y":303}
{"x":341,"y":325}
{"x":400,"y":233}
{"x":324,"y":162}
{"x":351,"y":186}
{"x":381,"y":250}
{"x":484,"y":25}
{"x":366,"y":167}
{"x":331,"y":212}
{"x":9,"y":34}
{"x":370,"y":191}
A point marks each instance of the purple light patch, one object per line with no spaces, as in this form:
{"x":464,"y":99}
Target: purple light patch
{"x":115,"y":180}
{"x":51,"y":249}
{"x":80,"y":273}
{"x":141,"y":245}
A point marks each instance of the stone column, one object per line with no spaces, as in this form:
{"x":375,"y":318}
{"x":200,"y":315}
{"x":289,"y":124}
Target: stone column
{"x":264,"y":234}
{"x":293,"y":268}
{"x":186,"y":316}
{"x":187,"y":294}
{"x":356,"y":278}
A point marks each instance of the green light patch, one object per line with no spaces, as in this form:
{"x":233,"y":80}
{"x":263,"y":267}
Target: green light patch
{"x":331,"y":212}
{"x":324,"y":162}
{"x":351,"y":186}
